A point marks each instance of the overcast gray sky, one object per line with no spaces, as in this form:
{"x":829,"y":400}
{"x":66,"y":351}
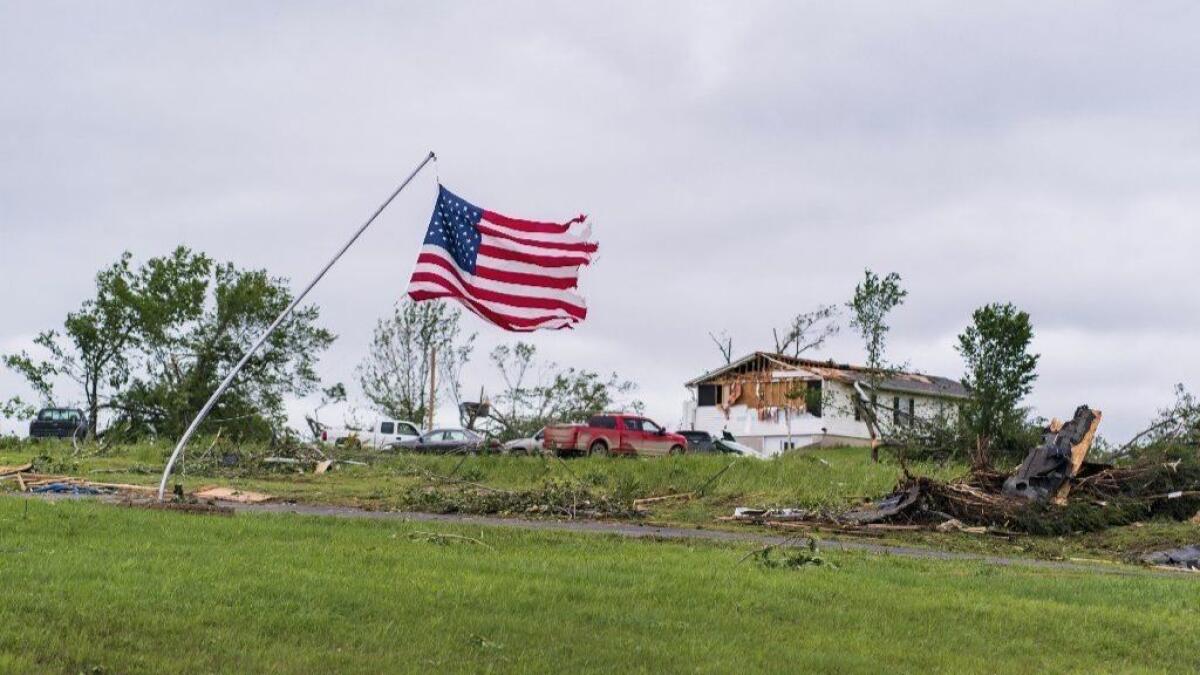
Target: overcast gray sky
{"x":741,"y":161}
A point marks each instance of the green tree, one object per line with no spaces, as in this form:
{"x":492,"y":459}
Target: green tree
{"x":154,"y":342}
{"x":93,"y":350}
{"x":1000,"y":372}
{"x":536,"y":394}
{"x":874,"y":298}
{"x":198,"y":320}
{"x":395,"y":374}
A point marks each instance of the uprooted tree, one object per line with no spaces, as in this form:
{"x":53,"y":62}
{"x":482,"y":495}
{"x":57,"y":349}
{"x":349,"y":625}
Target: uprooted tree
{"x":539,"y":393}
{"x":1174,"y":428}
{"x":154,"y":342}
{"x":395,"y":374}
{"x":1000,"y":372}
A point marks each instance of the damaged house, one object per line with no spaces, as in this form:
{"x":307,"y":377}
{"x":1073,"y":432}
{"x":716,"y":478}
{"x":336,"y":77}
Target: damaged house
{"x":773,"y":402}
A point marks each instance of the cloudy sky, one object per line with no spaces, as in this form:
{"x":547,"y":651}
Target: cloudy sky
{"x":741,"y":161}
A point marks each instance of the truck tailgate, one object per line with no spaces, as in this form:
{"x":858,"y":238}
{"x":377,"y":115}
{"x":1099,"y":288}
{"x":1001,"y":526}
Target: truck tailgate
{"x":562,"y":437}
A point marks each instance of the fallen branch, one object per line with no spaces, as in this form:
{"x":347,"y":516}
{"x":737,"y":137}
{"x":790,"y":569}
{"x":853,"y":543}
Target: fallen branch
{"x":639,"y":503}
{"x":715,"y":476}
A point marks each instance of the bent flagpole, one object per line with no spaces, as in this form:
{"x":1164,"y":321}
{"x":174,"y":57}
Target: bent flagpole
{"x":187,"y":435}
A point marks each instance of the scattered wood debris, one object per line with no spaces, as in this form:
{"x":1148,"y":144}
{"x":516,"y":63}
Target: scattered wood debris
{"x":30,"y":481}
{"x":1033,"y":500}
{"x":640,"y":504}
{"x":14,"y":470}
{"x":232,"y":495}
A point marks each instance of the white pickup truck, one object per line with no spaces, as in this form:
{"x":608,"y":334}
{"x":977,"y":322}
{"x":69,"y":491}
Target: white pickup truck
{"x":378,"y":436}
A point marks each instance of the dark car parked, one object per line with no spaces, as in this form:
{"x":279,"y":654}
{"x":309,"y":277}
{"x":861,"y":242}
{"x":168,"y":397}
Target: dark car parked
{"x":698,"y":441}
{"x":702,"y":441}
{"x":58,"y":423}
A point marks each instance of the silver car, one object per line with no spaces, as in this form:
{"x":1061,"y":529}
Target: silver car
{"x":526,"y":446}
{"x":446,"y":441}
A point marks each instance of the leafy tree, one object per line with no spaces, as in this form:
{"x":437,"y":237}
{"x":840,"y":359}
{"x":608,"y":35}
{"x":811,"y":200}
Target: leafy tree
{"x":154,"y":342}
{"x":395,"y":374}
{"x":537,"y":394}
{"x":93,"y":349}
{"x":199,"y":319}
{"x":999,"y":372}
{"x":873,"y":300}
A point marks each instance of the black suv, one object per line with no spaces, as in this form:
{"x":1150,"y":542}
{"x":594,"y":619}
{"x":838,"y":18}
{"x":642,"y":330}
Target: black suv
{"x":58,"y":423}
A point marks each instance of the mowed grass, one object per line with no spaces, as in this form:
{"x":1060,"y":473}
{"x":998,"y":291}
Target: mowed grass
{"x":96,"y":588}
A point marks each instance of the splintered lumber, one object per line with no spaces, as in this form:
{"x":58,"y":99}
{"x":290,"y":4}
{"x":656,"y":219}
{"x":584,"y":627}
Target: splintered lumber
{"x":1079,"y":453}
{"x":324,"y":466}
{"x":232,"y":495}
{"x":121,"y":486}
{"x":8,"y":470}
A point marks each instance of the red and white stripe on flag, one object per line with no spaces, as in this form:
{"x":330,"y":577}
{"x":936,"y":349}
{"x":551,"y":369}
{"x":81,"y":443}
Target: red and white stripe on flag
{"x":521,"y":275}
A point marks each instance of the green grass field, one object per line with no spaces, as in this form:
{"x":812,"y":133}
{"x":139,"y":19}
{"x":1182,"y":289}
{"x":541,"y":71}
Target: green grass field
{"x":96,"y":588}
{"x":828,"y":479}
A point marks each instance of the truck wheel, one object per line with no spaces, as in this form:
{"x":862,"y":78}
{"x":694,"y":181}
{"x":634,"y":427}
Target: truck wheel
{"x":598,"y":449}
{"x":676,"y":449}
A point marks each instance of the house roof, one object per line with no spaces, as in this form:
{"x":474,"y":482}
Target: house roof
{"x":916,"y":383}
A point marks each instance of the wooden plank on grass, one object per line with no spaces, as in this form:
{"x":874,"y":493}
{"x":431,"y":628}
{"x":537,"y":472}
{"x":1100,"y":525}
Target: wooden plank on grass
{"x":8,"y":470}
{"x":233,"y":495}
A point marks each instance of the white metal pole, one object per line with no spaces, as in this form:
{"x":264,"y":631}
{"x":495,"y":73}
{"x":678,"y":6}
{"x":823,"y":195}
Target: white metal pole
{"x":187,"y":435}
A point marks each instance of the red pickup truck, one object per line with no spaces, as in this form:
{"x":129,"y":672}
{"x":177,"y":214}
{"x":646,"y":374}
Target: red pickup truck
{"x":615,"y":434}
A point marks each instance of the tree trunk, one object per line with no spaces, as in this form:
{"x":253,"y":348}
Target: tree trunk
{"x":93,"y":409}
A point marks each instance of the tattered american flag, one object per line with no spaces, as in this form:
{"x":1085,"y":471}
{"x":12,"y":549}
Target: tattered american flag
{"x":517,"y":274}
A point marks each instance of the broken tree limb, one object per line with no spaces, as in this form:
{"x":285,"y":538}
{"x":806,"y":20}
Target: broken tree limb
{"x":639,"y":503}
{"x":714,"y":477}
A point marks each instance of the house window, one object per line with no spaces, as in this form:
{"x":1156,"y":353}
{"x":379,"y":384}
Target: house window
{"x":896,"y":410}
{"x":708,"y":395}
{"x":813,"y":399}
{"x":912,"y":411}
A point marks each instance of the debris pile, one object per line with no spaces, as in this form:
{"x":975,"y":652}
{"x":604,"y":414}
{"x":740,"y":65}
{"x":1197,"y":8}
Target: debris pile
{"x":552,"y":498}
{"x":1053,"y":491}
{"x":28,"y":480}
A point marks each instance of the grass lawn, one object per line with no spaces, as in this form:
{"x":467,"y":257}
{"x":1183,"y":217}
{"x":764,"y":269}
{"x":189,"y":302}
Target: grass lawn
{"x":826,"y":478}
{"x":96,"y":588}
{"x":830,"y":479}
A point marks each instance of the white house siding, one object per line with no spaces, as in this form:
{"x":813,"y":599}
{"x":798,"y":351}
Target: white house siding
{"x":836,"y":426}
